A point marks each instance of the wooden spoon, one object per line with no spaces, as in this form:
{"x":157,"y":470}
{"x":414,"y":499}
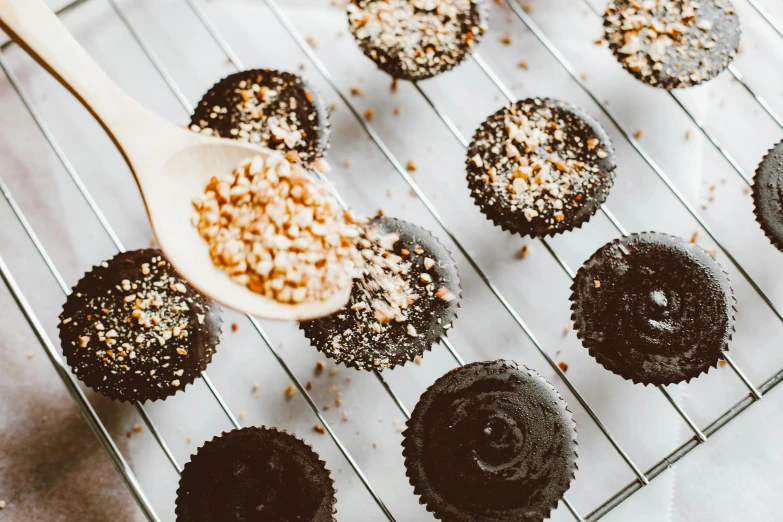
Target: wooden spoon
{"x":171,"y":164}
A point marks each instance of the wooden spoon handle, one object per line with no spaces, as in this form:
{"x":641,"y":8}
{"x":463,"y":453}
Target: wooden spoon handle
{"x":32,"y":25}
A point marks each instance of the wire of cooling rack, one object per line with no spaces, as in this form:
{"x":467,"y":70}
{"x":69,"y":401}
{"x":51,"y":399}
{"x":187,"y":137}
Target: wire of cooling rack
{"x":609,"y":504}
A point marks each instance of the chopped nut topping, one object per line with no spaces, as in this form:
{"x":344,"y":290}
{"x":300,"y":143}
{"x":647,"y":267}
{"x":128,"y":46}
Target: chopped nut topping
{"x":597,"y":283}
{"x":319,"y":428}
{"x":290,"y":391}
{"x":275,"y":230}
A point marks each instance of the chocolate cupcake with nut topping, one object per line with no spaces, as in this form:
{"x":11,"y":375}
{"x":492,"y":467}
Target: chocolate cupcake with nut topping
{"x":134,"y":330}
{"x":490,"y":442}
{"x":274,"y":109}
{"x":540,"y":167}
{"x":417,"y":39}
{"x":405,"y":299}
{"x":672,"y":43}
{"x":653,"y":308}
{"x":768,"y":195}
{"x":255,"y":474}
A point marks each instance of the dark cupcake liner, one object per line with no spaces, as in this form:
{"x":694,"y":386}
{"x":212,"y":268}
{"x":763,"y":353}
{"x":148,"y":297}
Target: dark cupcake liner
{"x":191,"y":474}
{"x":627,"y":373}
{"x":775,"y":237}
{"x":418,"y":478}
{"x":513,"y":221}
{"x":311,"y":336}
{"x":391,"y":67}
{"x":322,"y":129}
{"x":671,"y":83}
{"x":213,"y":321}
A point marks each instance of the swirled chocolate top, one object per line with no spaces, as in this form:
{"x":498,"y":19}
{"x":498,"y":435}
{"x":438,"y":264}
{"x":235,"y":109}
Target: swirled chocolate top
{"x":417,"y":39}
{"x":405,"y":299}
{"x":134,"y":330}
{"x":490,"y":442}
{"x":672,"y":43}
{"x":768,"y":195}
{"x":653,"y":308}
{"x":255,"y":474}
{"x":275,"y":109}
{"x":540,"y":167}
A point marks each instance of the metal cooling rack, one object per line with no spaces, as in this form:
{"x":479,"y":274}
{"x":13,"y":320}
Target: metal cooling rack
{"x":642,"y":477}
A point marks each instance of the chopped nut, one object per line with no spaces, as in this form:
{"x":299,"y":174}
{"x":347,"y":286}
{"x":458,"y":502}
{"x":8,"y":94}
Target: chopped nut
{"x":369,"y":114}
{"x":137,"y":428}
{"x":319,"y":368}
{"x":311,"y":41}
{"x":234,"y":327}
{"x":356,"y":91}
{"x":411,"y":166}
{"x":688,"y":134}
{"x":319,"y":428}
{"x":525,"y":251}
{"x":523,"y":65}
{"x":411,"y":330}
{"x":722,"y":362}
{"x":637,"y":134}
{"x":428,"y":263}
{"x":333,"y":371}
{"x":563,"y":366}
{"x":597,"y":283}
{"x":290,"y":391}
{"x":506,"y":39}
{"x":417,"y":360}
{"x":695,"y":237}
{"x":393,"y":86}
{"x":584,"y":76}
{"x":528,"y":7}
{"x":397,"y":110}
{"x":445,"y":294}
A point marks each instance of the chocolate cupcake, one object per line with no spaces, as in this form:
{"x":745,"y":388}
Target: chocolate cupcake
{"x":255,"y":474}
{"x":134,"y":330}
{"x":417,"y":39}
{"x":540,"y":167}
{"x":275,"y":109}
{"x":490,"y":442}
{"x":768,"y":195}
{"x":672,"y":43}
{"x":653,"y":308}
{"x":404,"y":300}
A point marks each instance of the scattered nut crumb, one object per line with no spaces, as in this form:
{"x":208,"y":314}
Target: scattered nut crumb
{"x":506,"y":39}
{"x":333,"y":371}
{"x":369,"y":115}
{"x":2,"y":504}
{"x":567,"y":329}
{"x":319,"y":367}
{"x":397,"y":110}
{"x":525,"y":251}
{"x":411,"y":166}
{"x":393,"y":86}
{"x":256,"y":385}
{"x":241,"y":415}
{"x":348,"y":164}
{"x":417,"y":360}
{"x":638,"y":134}
{"x":563,"y":366}
{"x":522,"y":64}
{"x":584,"y":76}
{"x":747,"y":189}
{"x":30,"y":355}
{"x":308,"y":386}
{"x":234,"y":327}
{"x":128,"y":434}
{"x":311,"y":41}
{"x":599,"y":41}
{"x":319,"y":428}
{"x":688,"y":134}
{"x":137,"y":428}
{"x":528,"y":7}
{"x":290,"y":391}
{"x":695,"y":237}
{"x":722,"y":362}
{"x":356,"y":91}
{"x":597,"y":283}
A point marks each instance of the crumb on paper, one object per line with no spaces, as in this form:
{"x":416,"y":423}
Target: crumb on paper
{"x":528,"y":7}
{"x":333,"y":371}
{"x":417,"y":360}
{"x":397,"y":110}
{"x":748,"y":189}
{"x":688,"y":134}
{"x":599,"y":41}
{"x":290,"y":391}
{"x":411,"y":166}
{"x":308,"y":386}
{"x":234,"y":327}
{"x":320,"y":366}
{"x":525,"y":251}
{"x":523,"y":65}
{"x":311,"y":41}
{"x":563,"y":366}
{"x":567,"y":329}
{"x":638,"y":134}
{"x":506,"y":39}
{"x":695,"y":237}
{"x":241,"y":415}
{"x":394,"y":84}
{"x":137,"y":428}
{"x":584,"y":76}
{"x":722,"y":362}
{"x":319,"y":428}
{"x":256,"y":385}
{"x":369,"y":114}
{"x":348,"y":164}
{"x":356,"y":91}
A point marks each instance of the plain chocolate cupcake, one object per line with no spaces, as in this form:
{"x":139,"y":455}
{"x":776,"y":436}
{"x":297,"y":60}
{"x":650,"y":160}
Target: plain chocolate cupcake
{"x":490,"y":442}
{"x":672,"y":43}
{"x":134,"y":330}
{"x":275,"y":109}
{"x":417,"y":39}
{"x":404,"y":301}
{"x":255,"y":474}
{"x":540,"y":167}
{"x":653,"y":308}
{"x":768,"y":195}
